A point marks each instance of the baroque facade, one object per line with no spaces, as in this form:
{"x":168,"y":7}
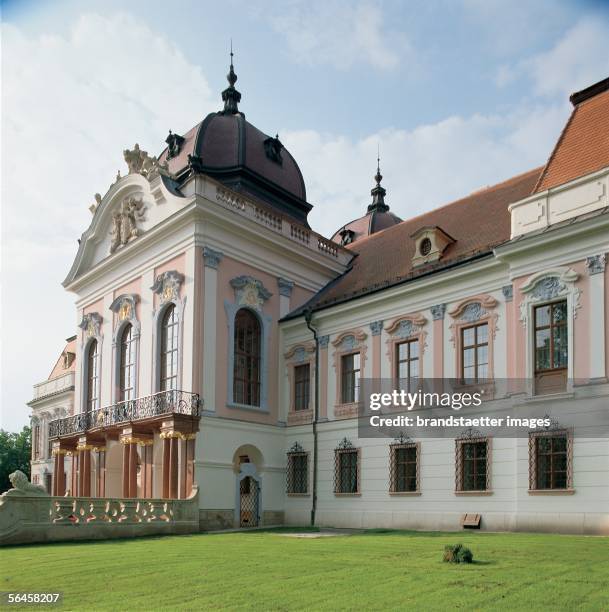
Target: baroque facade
{"x":222,"y":342}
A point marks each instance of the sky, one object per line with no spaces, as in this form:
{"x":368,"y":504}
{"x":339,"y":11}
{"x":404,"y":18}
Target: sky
{"x":458,"y":94}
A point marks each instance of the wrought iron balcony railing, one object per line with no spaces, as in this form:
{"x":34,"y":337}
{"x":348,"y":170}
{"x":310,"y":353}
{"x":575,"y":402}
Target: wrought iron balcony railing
{"x":149,"y":406}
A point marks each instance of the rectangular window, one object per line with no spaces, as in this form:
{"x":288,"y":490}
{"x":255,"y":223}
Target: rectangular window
{"x":404,"y":468}
{"x":298,"y":473}
{"x":346,"y":471}
{"x":350,"y":378}
{"x":550,"y":461}
{"x":407,"y":364}
{"x":472,"y":465}
{"x":551,"y":348}
{"x":474,"y":352}
{"x":302,"y":385}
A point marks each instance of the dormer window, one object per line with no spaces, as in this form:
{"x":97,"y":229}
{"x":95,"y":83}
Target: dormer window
{"x":346,"y":236}
{"x":430,"y":244}
{"x":425,"y":247}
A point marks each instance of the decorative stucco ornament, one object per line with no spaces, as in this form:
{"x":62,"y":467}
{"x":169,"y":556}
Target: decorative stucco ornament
{"x":95,"y":206}
{"x":167,"y":285}
{"x":139,"y":162}
{"x":250,"y":292}
{"x":91,"y":324}
{"x":124,"y":222}
{"x":23,"y":487}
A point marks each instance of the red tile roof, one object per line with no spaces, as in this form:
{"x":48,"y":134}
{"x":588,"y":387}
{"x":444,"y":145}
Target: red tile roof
{"x":583,"y":146}
{"x":477,"y":222}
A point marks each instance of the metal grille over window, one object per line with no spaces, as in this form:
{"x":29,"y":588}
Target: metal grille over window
{"x":472,"y":463}
{"x":302,"y":384}
{"x":403,"y":467}
{"x":550,"y":460}
{"x":246,"y":379}
{"x":346,"y":468}
{"x":350,"y":378}
{"x":297,"y":471}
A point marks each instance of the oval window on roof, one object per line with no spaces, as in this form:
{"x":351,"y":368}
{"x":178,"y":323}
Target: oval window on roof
{"x":425,"y":247}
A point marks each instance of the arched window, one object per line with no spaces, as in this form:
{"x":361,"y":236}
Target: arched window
{"x":169,"y":349}
{"x":246,"y":373}
{"x":92,"y":378}
{"x":127,"y":365}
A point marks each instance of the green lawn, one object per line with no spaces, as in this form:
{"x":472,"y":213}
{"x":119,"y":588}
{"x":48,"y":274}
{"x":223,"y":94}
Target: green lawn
{"x":367,"y":571}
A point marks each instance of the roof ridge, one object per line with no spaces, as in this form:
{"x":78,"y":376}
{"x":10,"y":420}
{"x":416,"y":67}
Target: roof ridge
{"x":544,"y":173}
{"x":477,"y":193}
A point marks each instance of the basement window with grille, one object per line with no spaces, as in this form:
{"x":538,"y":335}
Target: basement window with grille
{"x":404,"y":468}
{"x":346,"y":469}
{"x":297,"y":471}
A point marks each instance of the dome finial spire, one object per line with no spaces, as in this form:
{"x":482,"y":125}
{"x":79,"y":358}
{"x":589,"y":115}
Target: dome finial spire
{"x":378,"y":193}
{"x":230,"y":95}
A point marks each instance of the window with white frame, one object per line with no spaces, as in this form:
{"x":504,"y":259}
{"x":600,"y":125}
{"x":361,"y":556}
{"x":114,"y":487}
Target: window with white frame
{"x":127,"y":347}
{"x":169,"y":349}
{"x":92,"y":393}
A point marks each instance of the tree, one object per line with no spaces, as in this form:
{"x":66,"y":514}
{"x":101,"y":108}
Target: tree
{"x":15,"y":454}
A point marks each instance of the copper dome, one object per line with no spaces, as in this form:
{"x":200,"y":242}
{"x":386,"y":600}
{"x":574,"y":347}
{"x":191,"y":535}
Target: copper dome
{"x":377,"y":218}
{"x":231,"y":150}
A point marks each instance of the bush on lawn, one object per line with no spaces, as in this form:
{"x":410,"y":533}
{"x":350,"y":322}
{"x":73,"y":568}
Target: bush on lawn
{"x":457,"y":554}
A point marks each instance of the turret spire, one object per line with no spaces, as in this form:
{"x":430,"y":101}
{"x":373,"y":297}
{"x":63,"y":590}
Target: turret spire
{"x":378,"y":193}
{"x":230,"y":95}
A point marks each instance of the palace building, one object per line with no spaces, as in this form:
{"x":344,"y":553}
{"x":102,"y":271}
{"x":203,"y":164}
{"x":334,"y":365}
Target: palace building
{"x":222,"y":343}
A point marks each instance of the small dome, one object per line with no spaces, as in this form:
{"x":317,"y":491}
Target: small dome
{"x":231,"y":150}
{"x":377,"y":218}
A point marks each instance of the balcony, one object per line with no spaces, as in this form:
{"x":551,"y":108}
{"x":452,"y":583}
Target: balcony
{"x":147,"y":408}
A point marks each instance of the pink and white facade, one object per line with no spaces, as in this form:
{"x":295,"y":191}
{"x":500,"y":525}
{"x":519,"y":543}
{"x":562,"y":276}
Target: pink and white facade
{"x":198,"y":286}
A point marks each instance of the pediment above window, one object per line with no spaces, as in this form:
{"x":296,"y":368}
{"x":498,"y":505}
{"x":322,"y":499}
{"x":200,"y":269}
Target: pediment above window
{"x":124,"y":306}
{"x":349,"y":340}
{"x":91,"y":324}
{"x":549,"y":284}
{"x":299,"y":352}
{"x":167,"y":286}
{"x":250,"y":292}
{"x":473,"y":309}
{"x":430,"y":244}
{"x":406,"y":326}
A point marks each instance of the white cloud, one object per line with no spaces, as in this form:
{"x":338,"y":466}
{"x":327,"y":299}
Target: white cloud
{"x":70,"y":106}
{"x":422,"y":168}
{"x":338,"y":33}
{"x":578,"y":59}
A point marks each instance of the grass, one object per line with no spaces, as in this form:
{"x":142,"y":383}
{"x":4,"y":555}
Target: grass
{"x":368,"y":571}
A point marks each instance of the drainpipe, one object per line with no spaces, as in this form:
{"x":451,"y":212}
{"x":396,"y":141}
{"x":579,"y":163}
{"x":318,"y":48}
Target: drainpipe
{"x":308,"y":319}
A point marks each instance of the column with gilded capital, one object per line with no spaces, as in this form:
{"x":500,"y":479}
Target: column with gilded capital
{"x":211,"y":259}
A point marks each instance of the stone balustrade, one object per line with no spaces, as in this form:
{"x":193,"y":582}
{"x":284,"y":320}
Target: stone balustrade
{"x":29,"y":519}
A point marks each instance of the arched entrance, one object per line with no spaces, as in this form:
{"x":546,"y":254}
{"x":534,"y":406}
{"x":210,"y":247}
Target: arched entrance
{"x":248,"y":490}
